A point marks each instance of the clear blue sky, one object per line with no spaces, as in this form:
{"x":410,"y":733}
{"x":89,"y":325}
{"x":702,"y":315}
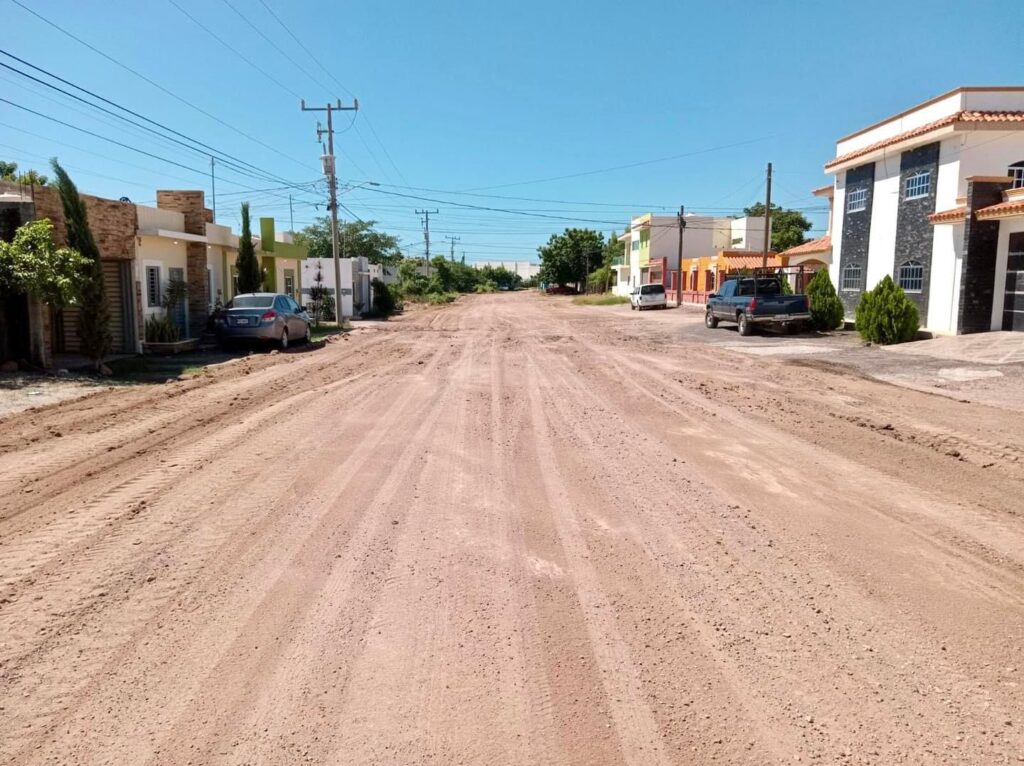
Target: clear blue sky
{"x":491,"y":98}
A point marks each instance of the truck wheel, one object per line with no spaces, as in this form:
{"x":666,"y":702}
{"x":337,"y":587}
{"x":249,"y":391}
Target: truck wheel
{"x":631,"y":306}
{"x":745,"y":326}
{"x":710,"y":320}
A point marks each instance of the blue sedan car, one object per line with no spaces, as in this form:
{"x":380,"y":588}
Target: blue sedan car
{"x":263,"y":317}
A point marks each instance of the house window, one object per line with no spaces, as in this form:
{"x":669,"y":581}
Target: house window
{"x":911,"y":276}
{"x":152,"y":286}
{"x":918,"y":185}
{"x":636,"y":244}
{"x":856,"y":200}
{"x":851,"y":280}
{"x":1016,"y":174}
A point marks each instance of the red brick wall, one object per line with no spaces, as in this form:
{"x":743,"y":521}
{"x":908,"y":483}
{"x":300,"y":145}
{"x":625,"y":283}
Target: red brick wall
{"x":113,"y":223}
{"x":192,"y":205}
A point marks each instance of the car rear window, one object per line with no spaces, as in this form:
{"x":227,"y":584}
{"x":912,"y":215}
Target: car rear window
{"x":652,"y":289}
{"x":252,"y":302}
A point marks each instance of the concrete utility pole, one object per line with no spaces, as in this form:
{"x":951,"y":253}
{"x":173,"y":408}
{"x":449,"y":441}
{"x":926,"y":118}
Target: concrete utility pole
{"x":767,"y":218}
{"x":453,"y":240}
{"x":330,"y":171}
{"x":681,"y":220}
{"x":426,"y":232}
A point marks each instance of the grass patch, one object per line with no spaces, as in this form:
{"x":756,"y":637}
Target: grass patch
{"x":603,"y":299}
{"x":327,"y":329}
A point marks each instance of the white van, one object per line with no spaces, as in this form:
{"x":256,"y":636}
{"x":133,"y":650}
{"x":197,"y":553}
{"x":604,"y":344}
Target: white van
{"x":647,"y":297}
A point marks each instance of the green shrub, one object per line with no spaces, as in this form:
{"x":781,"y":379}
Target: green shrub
{"x":826,"y":308}
{"x":160,"y":329}
{"x":384,"y":303}
{"x":486,"y":287}
{"x":885,"y":315}
{"x":438,"y":298}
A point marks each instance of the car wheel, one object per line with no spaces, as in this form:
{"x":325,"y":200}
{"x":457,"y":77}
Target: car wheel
{"x":710,"y":321}
{"x":745,"y":326}
{"x":284,"y":339}
{"x":308,"y":338}
{"x":631,"y":306}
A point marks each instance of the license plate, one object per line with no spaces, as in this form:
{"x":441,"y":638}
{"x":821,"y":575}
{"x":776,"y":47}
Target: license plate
{"x":241,"y":321}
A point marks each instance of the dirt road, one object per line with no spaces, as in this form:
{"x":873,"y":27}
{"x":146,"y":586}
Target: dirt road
{"x":512,"y":531}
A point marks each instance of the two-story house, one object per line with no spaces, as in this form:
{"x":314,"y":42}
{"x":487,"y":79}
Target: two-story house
{"x":934,"y":197}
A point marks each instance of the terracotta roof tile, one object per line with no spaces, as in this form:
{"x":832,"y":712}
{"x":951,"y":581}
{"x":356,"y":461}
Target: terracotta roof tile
{"x":1002,"y":210}
{"x":949,"y":216}
{"x":959,"y":117}
{"x":749,"y":261}
{"x":819,"y":245}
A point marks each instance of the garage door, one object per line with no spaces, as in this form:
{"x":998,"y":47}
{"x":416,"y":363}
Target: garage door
{"x":1013,"y":302}
{"x":66,"y":323}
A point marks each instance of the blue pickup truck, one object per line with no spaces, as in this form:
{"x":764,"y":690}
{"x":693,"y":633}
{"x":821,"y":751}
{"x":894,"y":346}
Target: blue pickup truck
{"x":750,"y":301}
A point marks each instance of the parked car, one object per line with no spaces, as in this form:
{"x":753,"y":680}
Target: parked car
{"x":263,"y":317}
{"x":647,"y":297}
{"x":756,"y":301}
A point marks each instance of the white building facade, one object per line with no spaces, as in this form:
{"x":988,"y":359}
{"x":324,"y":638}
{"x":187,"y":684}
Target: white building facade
{"x":934,"y":198}
{"x":651,"y":246}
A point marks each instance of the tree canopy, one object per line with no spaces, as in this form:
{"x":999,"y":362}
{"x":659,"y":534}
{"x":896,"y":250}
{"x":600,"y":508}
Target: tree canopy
{"x":788,"y":226}
{"x":9,"y":172}
{"x":356,"y":238}
{"x":33,"y":265}
{"x":570,"y":256}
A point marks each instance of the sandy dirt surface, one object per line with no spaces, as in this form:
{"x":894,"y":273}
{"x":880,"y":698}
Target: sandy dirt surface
{"x":512,"y":531}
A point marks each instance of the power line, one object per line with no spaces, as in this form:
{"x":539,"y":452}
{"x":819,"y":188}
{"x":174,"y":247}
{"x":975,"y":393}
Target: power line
{"x":234,"y":50}
{"x":303,"y":46}
{"x":114,"y":114}
{"x":621,"y":167}
{"x":155,"y":84}
{"x":274,"y":45}
{"x":235,"y":163}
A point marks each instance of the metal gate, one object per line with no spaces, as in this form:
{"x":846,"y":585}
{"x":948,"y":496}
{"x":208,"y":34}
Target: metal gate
{"x":116,"y":279}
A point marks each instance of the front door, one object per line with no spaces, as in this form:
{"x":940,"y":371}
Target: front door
{"x":1013,"y":300}
{"x":177,"y":314}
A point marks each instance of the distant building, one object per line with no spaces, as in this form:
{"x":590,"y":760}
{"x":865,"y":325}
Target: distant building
{"x":651,"y":251}
{"x":525,"y":269}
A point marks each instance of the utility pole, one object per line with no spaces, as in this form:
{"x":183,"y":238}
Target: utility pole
{"x":330,"y":171}
{"x":767,"y":218}
{"x":213,"y":185}
{"x":291,"y":215}
{"x":681,"y":220}
{"x":426,"y":232}
{"x":453,"y":240}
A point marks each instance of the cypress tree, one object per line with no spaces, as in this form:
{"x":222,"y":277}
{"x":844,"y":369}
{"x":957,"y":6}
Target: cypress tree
{"x":250,"y":278}
{"x":886,"y":315}
{"x":94,"y":316}
{"x":826,"y":308}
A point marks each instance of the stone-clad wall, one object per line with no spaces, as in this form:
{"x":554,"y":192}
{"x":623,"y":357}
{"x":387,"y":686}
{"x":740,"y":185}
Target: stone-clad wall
{"x":914,"y":232}
{"x":978,"y":272}
{"x":193,"y":206}
{"x":856,"y":233}
{"x":113,"y":223}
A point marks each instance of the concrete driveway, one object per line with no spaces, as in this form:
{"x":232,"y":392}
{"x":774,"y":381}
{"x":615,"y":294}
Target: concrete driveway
{"x":986,"y":367}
